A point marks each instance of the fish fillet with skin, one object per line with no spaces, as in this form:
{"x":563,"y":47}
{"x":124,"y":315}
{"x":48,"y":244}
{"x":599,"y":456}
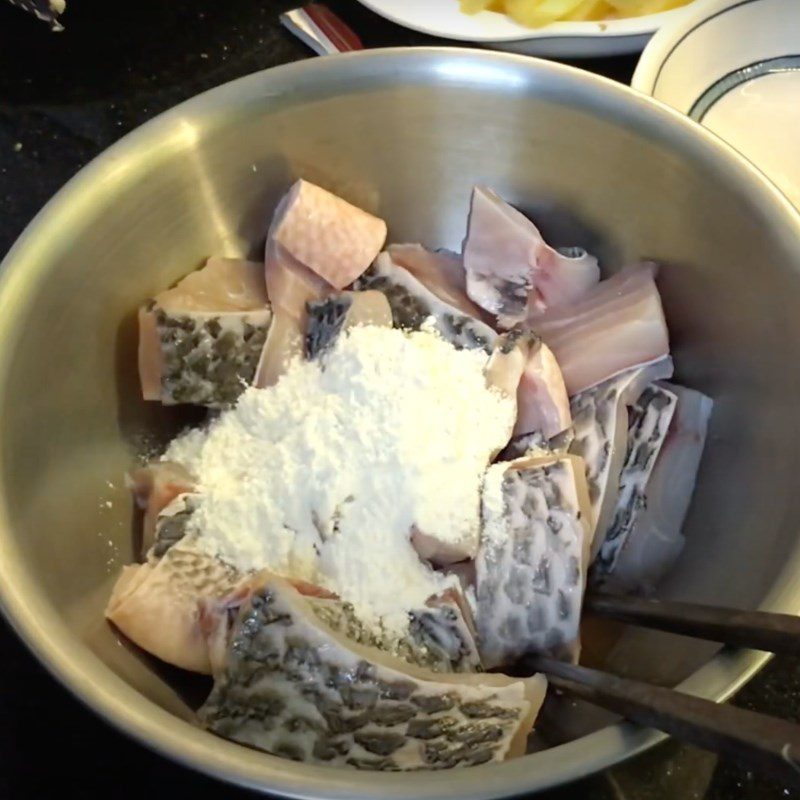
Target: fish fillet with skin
{"x":200,"y":342}
{"x":291,"y":286}
{"x":511,"y":269}
{"x":532,"y":563}
{"x":522,"y":366}
{"x":656,"y":540}
{"x":157,"y":604}
{"x":440,"y":271}
{"x":330,"y":318}
{"x":649,"y":422}
{"x":617,"y":325}
{"x":154,"y":487}
{"x":328,"y":235}
{"x":415,"y":306}
{"x":294,"y":687}
{"x":600,"y":436}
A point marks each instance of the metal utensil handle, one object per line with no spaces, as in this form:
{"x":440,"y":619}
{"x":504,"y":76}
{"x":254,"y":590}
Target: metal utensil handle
{"x":775,"y":633}
{"x":763,"y":742}
{"x":318,"y":27}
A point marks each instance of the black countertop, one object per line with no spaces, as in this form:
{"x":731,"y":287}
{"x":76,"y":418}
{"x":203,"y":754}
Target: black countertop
{"x":63,"y":99}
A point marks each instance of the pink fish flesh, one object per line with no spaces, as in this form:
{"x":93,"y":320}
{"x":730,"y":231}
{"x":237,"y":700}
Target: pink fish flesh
{"x":656,"y":539}
{"x":200,"y":342}
{"x":619,"y":324}
{"x":157,"y":604}
{"x":440,"y":271}
{"x":542,"y":401}
{"x":331,"y":237}
{"x":510,"y":267}
{"x":521,"y":366}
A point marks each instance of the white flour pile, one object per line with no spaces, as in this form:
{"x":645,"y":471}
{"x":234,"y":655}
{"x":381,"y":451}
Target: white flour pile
{"x":322,"y":476}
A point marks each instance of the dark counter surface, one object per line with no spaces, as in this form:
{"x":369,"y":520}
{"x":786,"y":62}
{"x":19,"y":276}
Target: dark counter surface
{"x":63,"y":99}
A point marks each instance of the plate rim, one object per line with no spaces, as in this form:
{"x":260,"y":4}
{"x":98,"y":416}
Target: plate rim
{"x":627,"y":27}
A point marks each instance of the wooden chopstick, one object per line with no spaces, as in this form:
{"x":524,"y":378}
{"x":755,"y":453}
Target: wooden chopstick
{"x":762,"y":742}
{"x":775,"y":633}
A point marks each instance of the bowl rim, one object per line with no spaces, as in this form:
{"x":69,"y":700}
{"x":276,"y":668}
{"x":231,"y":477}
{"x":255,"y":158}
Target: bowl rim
{"x":671,"y":36}
{"x":510,"y":31}
{"x":100,"y":688}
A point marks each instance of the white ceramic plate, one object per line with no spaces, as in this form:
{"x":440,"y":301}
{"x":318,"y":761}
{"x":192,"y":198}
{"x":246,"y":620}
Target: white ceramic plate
{"x":577,"y":39}
{"x":734,"y":67}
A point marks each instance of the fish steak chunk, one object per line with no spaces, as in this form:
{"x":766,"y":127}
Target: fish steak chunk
{"x":600,"y":436}
{"x":532,"y":562}
{"x":295,"y":687}
{"x":413,"y":306}
{"x":200,"y":342}
{"x":157,"y":604}
{"x":656,"y":540}
{"x":336,"y":314}
{"x":649,"y":420}
{"x":511,"y":270}
{"x":331,"y":237}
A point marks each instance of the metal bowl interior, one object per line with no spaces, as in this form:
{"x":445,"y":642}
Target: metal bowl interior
{"x":404,"y":134}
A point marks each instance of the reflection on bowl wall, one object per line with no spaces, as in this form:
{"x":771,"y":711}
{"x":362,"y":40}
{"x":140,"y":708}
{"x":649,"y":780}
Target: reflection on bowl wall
{"x":405,"y":134}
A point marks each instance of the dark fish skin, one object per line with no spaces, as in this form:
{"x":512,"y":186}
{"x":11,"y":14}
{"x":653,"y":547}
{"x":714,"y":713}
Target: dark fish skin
{"x":208,"y":361}
{"x":530,"y":584}
{"x":292,"y":686}
{"x":413,"y":305}
{"x":649,"y":421}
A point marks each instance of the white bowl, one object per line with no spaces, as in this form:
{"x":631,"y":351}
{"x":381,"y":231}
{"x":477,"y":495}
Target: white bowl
{"x":734,"y":67}
{"x":442,"y":18}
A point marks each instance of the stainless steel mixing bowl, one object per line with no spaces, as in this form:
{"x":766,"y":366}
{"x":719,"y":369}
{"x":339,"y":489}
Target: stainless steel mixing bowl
{"x":404,"y":134}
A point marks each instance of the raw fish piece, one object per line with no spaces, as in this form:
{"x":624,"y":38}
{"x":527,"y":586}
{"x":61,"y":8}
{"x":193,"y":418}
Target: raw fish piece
{"x":441,"y":272}
{"x":531,"y":566}
{"x":542,"y":402}
{"x":200,"y":342}
{"x":291,"y":287}
{"x":413,"y":305}
{"x":617,"y":325}
{"x":223,"y":284}
{"x":656,"y":540}
{"x":284,"y":343}
{"x":509,"y":358}
{"x":294,"y":687}
{"x":332,"y":238}
{"x":600,"y":436}
{"x":154,"y":487}
{"x":172,"y":523}
{"x":290,"y":284}
{"x":649,"y":419}
{"x":439,"y":638}
{"x":157,"y":604}
{"x":328,"y":318}
{"x":510,"y":267}
{"x":522,"y":367}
